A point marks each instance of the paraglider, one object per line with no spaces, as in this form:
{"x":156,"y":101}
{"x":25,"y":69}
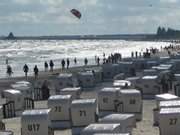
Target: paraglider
{"x":76,"y":13}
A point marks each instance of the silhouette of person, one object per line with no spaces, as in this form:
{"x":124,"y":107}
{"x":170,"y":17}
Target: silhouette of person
{"x":132,"y":54}
{"x":85,"y":61}
{"x":9,"y":70}
{"x":45,"y":90}
{"x":104,"y":54}
{"x":75,"y":60}
{"x":51,"y":64}
{"x":36,"y":71}
{"x":46,"y":66}
{"x":126,"y":85}
{"x":26,"y":69}
{"x":98,"y":61}
{"x":63,"y":63}
{"x":68,"y":62}
{"x":136,"y":54}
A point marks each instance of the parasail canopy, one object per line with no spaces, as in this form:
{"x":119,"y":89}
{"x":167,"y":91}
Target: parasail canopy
{"x":76,"y":13}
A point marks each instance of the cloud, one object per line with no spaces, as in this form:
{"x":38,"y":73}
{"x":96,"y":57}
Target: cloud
{"x":43,"y":2}
{"x":54,"y":3}
{"x":169,"y":1}
{"x":135,"y":19}
{"x":22,"y":1}
{"x":66,"y":20}
{"x":98,"y":16}
{"x":21,"y":18}
{"x":86,"y":3}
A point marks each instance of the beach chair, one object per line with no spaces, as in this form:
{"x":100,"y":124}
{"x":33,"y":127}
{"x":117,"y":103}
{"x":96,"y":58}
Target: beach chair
{"x":101,"y":128}
{"x":36,"y":122}
{"x":127,"y":121}
{"x":60,"y":111}
{"x":75,"y":92}
{"x":83,"y":113}
{"x":169,"y":121}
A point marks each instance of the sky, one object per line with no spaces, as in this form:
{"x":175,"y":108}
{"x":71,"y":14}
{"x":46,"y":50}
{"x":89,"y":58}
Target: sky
{"x":53,"y":17}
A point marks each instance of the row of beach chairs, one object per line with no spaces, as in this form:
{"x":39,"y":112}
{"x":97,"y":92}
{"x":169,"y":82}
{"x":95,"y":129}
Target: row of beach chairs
{"x":116,"y":108}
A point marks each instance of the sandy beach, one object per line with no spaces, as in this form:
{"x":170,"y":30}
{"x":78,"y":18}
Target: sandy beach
{"x":144,"y":127}
{"x":78,"y":61}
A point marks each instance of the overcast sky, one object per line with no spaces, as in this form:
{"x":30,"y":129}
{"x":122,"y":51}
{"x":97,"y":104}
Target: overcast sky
{"x":53,"y":17}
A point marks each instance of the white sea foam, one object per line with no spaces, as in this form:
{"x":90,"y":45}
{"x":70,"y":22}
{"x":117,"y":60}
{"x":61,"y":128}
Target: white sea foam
{"x":36,"y":52}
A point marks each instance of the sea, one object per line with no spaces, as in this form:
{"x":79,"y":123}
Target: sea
{"x":36,"y":52}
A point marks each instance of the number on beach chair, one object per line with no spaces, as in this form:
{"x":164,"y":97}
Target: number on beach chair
{"x":173,"y":121}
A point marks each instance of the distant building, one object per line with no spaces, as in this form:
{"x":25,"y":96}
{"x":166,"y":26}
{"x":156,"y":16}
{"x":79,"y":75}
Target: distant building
{"x":11,"y":36}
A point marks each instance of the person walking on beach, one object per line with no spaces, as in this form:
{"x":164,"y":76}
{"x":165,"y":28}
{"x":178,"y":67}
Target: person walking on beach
{"x":98,"y":61}
{"x":9,"y":70}
{"x":68,"y":62}
{"x":85,"y":61}
{"x":136,"y":54}
{"x":36,"y":70}
{"x":104,"y":55}
{"x":63,"y":63}
{"x":75,"y":61}
{"x":95,"y":58}
{"x":26,"y":69}
{"x":132,"y":54}
{"x":51,"y":64}
{"x":46,"y":66}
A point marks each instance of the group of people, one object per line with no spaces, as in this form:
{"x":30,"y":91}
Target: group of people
{"x":144,"y":54}
{"x":47,"y":66}
{"x":65,"y":64}
{"x":112,"y":58}
{"x":25,"y":69}
{"x":51,"y":65}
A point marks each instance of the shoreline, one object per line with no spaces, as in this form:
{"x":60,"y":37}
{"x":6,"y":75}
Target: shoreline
{"x":5,"y":82}
{"x":42,"y":54}
{"x":73,"y":69}
{"x":54,"y":72}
